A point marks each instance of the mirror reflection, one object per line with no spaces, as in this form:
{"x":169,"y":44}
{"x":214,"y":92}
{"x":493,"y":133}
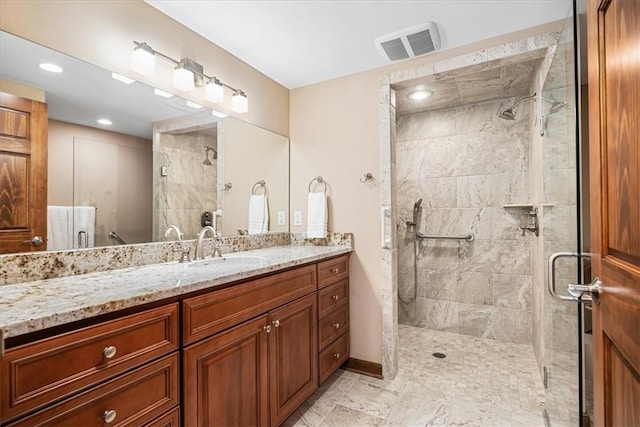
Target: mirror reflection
{"x":126,"y":161}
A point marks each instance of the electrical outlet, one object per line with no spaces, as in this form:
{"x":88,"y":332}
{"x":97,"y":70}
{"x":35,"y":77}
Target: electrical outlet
{"x":297,"y":218}
{"x":282,"y":219}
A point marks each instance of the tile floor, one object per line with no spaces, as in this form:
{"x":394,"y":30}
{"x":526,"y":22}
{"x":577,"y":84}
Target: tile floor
{"x":481,"y":382}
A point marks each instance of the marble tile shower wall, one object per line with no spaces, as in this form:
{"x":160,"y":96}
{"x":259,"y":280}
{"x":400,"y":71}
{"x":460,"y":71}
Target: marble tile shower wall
{"x":466,"y":163}
{"x":190,"y":187}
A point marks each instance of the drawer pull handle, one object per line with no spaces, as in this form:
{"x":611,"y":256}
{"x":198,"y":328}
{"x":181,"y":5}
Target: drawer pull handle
{"x":109,"y":416}
{"x":334,"y":270}
{"x":276,"y":323}
{"x":336,"y":355}
{"x":109,"y":352}
{"x":336,"y":325}
{"x":336,"y":297}
{"x":267,"y":328}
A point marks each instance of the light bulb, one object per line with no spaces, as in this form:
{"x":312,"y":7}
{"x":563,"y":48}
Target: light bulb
{"x":214,"y":91}
{"x":183,"y":79}
{"x":239,"y":102}
{"x":143,"y":60}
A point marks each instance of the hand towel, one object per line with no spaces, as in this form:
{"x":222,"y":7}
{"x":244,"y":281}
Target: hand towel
{"x":258,"y":214}
{"x":58,"y":227}
{"x":84,"y":219}
{"x":317,"y":215}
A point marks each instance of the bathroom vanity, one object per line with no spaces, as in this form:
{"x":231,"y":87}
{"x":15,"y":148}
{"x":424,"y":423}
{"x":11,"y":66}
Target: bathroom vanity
{"x":240,"y":341}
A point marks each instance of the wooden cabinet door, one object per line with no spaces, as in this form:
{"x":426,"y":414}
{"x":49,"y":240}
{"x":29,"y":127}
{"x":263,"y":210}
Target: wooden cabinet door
{"x":293,"y":356}
{"x":225,"y":378}
{"x":614,"y":132}
{"x":23,"y":174}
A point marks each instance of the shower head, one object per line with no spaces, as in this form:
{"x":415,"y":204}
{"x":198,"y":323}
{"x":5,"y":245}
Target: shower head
{"x":508,"y":114}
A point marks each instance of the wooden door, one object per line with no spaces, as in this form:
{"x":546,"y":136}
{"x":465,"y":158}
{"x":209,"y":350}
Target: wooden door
{"x":614,"y":117}
{"x":293,"y":356}
{"x":23,"y":174}
{"x":225,"y":378}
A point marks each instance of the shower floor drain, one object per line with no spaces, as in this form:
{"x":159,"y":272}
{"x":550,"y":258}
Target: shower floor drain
{"x":439,"y":355}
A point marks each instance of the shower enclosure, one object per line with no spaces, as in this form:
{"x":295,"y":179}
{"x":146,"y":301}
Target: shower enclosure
{"x":495,"y":155}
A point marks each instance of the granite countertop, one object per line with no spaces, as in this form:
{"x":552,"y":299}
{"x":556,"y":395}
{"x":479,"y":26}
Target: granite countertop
{"x":32,"y":306}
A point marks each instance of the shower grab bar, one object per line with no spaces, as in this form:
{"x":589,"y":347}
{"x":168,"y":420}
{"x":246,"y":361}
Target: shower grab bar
{"x":468,"y":237}
{"x":117,"y":238}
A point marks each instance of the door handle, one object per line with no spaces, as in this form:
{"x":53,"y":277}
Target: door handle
{"x":578,"y":292}
{"x":36,"y":241}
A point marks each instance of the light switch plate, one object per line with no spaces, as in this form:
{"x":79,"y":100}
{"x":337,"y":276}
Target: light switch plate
{"x":297,"y":218}
{"x":282,"y":218}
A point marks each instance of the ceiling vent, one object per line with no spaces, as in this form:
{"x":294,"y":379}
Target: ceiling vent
{"x":410,"y":42}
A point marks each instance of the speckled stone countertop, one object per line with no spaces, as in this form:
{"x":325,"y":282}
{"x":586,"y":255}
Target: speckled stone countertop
{"x":32,"y":306}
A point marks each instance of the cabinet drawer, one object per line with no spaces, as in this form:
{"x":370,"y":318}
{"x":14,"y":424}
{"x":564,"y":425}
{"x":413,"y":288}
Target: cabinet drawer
{"x":170,"y":419}
{"x":333,"y":325}
{"x":37,"y":373}
{"x":136,"y":398}
{"x":334,"y":356}
{"x":333,"y":270}
{"x":207,"y":314}
{"x":333,"y":297}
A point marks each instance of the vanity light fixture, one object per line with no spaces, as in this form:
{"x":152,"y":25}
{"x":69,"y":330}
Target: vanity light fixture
{"x":162,"y":93}
{"x":52,"y":68}
{"x":121,"y":78}
{"x":143,"y":60}
{"x":105,"y":122}
{"x":239,"y":102}
{"x":419,"y":95}
{"x":187,"y":75}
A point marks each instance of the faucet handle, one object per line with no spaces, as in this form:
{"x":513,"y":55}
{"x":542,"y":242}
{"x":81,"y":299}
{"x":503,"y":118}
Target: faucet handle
{"x":185,"y":257}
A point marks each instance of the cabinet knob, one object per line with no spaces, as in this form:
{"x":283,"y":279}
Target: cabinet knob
{"x":109,"y":352}
{"x":276,"y":323}
{"x":336,"y":297}
{"x":109,"y":416}
{"x":267,"y":328}
{"x":336,"y":325}
{"x":334,"y":270}
{"x":336,"y":355}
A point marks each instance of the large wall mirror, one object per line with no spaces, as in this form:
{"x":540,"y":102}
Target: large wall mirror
{"x":159,"y":160}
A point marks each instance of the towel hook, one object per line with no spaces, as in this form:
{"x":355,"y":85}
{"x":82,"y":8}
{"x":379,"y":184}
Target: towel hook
{"x":227,"y":186}
{"x":257,"y":186}
{"x":320,"y":181}
{"x":367,"y":177}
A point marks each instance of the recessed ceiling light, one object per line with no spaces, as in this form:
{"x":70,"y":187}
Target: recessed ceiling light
{"x":121,"y":78}
{"x":162,"y":93}
{"x":53,"y":68}
{"x":218,"y":114}
{"x":418,"y":95}
{"x":194,"y":105}
{"x":105,"y":122}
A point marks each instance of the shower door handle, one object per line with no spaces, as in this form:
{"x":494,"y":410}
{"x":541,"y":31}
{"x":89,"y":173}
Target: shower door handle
{"x":578,"y":292}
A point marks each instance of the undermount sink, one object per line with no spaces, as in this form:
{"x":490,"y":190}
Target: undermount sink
{"x":228,"y":261}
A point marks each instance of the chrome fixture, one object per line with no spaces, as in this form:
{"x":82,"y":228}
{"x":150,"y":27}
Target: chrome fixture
{"x":113,"y":235}
{"x":207,"y":162}
{"x":367,"y":177}
{"x":578,"y":292}
{"x":227,"y":186}
{"x":198,"y":252}
{"x":509,"y":114}
{"x":173,"y":228}
{"x":417,"y":210}
{"x":320,"y":180}
{"x":468,"y":237}
{"x":187,"y":75}
{"x":184,"y":256}
{"x":534,"y":227}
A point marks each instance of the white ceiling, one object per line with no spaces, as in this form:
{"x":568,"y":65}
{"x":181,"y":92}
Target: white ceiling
{"x":298,"y":43}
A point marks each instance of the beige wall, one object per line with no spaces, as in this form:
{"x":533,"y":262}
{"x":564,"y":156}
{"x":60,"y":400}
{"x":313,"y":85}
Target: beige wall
{"x":102,"y":32}
{"x":334,"y":132}
{"x":262,"y":155}
{"x":127,"y":212}
{"x":19,"y":89}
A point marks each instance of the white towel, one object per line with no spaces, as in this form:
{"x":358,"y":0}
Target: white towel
{"x":317,"y":215}
{"x":58,"y":227}
{"x":84,"y":219}
{"x":258,"y":214}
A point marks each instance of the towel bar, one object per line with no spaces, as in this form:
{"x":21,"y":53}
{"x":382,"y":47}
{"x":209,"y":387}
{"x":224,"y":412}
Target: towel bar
{"x":320,"y":181}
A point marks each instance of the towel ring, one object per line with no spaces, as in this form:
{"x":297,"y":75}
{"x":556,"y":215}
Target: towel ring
{"x":257,"y":186}
{"x":320,"y":181}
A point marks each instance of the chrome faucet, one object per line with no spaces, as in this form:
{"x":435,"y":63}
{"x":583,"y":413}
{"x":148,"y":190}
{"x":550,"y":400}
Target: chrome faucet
{"x":173,"y":228}
{"x":198,"y":252}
